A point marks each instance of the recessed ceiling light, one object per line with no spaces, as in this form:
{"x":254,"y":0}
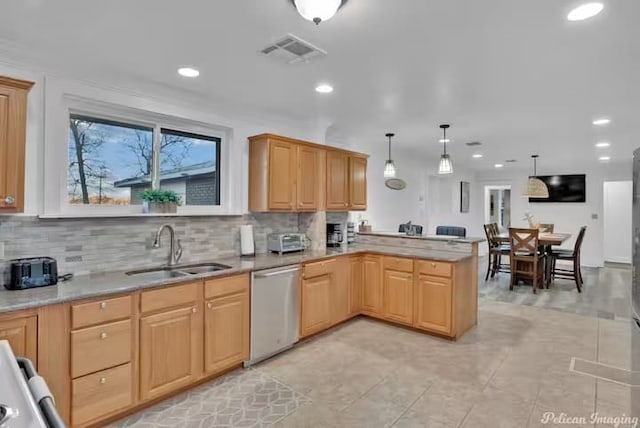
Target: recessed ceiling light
{"x":605,"y":158}
{"x":498,"y":165}
{"x":603,"y":145}
{"x":585,"y":11}
{"x":324,"y":88}
{"x":188,"y":72}
{"x":477,"y":156}
{"x":602,"y":121}
{"x":445,"y":140}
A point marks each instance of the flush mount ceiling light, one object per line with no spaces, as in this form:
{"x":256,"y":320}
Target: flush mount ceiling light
{"x":605,"y":158}
{"x":389,"y":166}
{"x":324,"y":88}
{"x":498,"y":165}
{"x":601,"y":122}
{"x":477,"y":156}
{"x":536,"y":188}
{"x":602,"y":145}
{"x":318,"y":10}
{"x":585,"y":11}
{"x":445,"y":166}
{"x":188,"y":72}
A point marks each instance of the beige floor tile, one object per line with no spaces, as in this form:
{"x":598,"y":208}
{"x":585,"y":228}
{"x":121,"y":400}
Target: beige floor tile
{"x":413,"y":419}
{"x":612,"y":392}
{"x":310,"y":416}
{"x":499,"y":409}
{"x":445,"y":402}
{"x":545,"y":417}
{"x":402,"y":391}
{"x":621,"y":411}
{"x":370,"y":413}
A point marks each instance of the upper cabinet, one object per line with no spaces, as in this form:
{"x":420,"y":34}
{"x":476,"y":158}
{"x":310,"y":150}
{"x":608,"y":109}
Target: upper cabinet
{"x":13,"y":123}
{"x":294,"y":176}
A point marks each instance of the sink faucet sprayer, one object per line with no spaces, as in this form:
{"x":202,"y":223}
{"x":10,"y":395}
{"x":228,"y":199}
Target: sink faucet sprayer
{"x":175,"y":249}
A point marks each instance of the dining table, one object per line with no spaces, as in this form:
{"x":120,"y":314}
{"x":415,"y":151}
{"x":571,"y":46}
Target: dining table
{"x":547,"y":241}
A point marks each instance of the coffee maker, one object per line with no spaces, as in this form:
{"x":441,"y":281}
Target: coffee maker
{"x":334,"y":234}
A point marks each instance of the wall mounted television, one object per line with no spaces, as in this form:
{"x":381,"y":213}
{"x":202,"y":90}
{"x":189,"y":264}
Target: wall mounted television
{"x":564,"y":188}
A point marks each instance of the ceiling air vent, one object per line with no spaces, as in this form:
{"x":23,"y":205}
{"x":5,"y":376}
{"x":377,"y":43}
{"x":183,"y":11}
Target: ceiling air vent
{"x":474,"y":144}
{"x":511,"y":160}
{"x":292,"y":49}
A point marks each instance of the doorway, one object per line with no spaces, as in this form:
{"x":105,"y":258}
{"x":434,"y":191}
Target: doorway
{"x":497,"y":205}
{"x":617,"y":202}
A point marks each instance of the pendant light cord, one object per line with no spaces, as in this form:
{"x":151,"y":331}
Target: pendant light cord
{"x":389,"y":147}
{"x":444,"y":140}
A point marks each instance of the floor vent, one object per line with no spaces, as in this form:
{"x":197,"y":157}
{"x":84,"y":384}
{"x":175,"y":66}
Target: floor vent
{"x":292,"y":49}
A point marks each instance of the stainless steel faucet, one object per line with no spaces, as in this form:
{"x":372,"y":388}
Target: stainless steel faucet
{"x":175,"y":249}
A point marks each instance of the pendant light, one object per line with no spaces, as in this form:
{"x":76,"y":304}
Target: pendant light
{"x":389,"y":167}
{"x":536,"y":188}
{"x":445,"y":166}
{"x":318,"y":10}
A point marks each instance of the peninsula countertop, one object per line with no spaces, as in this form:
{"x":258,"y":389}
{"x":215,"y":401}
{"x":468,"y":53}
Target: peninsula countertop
{"x":450,"y":238}
{"x":111,"y":283}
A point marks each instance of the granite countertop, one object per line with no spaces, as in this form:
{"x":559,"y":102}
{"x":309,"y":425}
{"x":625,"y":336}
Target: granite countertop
{"x":105,"y":284}
{"x":467,"y":240}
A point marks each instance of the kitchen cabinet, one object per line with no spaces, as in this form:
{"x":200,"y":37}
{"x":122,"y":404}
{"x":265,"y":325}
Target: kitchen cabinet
{"x":226,"y":323}
{"x":398,"y":296}
{"x":282,"y":175}
{"x":355,"y":284}
{"x":170,"y":339}
{"x":315,"y":307}
{"x":337,"y":181}
{"x":433,"y":304}
{"x":372,"y":293}
{"x":13,"y":124}
{"x":22,"y":334}
{"x":357,"y":183}
{"x":308,"y":178}
{"x":340,"y":294}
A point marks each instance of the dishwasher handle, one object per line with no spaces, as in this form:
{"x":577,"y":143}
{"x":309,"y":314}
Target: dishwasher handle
{"x":274,"y":273}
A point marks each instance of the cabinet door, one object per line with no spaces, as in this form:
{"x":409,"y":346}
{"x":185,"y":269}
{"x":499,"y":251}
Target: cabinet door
{"x":355,"y":297}
{"x":22,"y":334}
{"x":398,"y":296}
{"x":372,"y":286}
{"x":282,"y":175}
{"x":226,"y":332}
{"x":315,"y":311}
{"x":357,"y":183}
{"x":307,"y":185}
{"x":170,"y":350}
{"x":337,"y":181}
{"x":433,"y":304}
{"x":340,"y":306}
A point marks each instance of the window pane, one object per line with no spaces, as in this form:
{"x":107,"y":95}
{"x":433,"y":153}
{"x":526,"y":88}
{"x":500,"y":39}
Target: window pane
{"x":108,"y":161}
{"x":189,"y":165}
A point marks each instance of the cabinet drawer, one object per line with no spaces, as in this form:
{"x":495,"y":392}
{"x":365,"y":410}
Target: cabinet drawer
{"x":225,"y":286}
{"x":398,"y":264}
{"x":311,"y":270}
{"x":435,"y":268}
{"x":164,"y":298}
{"x":100,"y":311}
{"x":101,"y":393}
{"x":100,"y":347}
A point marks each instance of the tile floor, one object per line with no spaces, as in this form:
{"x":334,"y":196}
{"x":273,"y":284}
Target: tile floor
{"x":511,"y":371}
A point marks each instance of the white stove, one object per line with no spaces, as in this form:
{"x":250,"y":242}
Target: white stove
{"x":25,"y":399}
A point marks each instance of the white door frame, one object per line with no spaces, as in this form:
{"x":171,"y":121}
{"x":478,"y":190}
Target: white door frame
{"x":487,"y":191}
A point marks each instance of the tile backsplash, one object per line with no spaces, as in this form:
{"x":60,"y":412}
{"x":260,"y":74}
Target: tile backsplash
{"x":98,"y":245}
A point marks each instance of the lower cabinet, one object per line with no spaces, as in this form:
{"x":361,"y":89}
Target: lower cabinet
{"x":355,"y":285}
{"x":372,"y":293}
{"x":433,"y":304}
{"x":315,"y":314}
{"x":340,"y":291}
{"x":22,"y":334}
{"x":398,"y":296}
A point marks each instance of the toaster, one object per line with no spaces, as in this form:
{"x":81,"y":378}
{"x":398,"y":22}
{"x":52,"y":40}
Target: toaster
{"x":286,"y":242}
{"x":32,"y":272}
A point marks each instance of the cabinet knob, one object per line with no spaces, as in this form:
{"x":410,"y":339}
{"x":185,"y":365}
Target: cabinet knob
{"x":194,"y":310}
{"x":103,"y":380}
{"x":103,"y":305}
{"x":103,"y":336}
{"x":9,"y":200}
{"x":210,"y":305}
{"x":433,"y":265}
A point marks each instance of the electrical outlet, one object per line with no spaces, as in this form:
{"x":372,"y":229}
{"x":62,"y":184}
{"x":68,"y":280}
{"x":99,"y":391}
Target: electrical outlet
{"x":594,"y":216}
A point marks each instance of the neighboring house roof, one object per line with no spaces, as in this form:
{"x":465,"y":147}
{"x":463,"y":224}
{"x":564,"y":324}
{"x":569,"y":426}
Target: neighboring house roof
{"x":204,"y":168}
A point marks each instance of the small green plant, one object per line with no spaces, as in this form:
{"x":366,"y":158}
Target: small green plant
{"x":160,"y":196}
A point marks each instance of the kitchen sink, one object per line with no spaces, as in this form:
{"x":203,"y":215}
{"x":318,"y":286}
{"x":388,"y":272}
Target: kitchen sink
{"x":164,"y":272}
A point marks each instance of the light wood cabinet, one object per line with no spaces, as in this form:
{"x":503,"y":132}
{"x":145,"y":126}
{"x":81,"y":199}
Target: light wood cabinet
{"x":13,"y":124}
{"x":22,"y":334}
{"x":357,"y":183}
{"x":282,"y":175}
{"x":433,"y":304}
{"x":337,"y":181}
{"x":226,"y":325}
{"x":340,"y":295}
{"x":372,"y":285}
{"x":355,"y":284}
{"x":398,"y":296}
{"x":100,"y":347}
{"x":170,"y":342}
{"x":308,"y":179}
{"x":315,"y":313}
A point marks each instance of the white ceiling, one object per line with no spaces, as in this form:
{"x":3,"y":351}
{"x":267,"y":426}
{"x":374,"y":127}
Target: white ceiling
{"x":513,"y":74}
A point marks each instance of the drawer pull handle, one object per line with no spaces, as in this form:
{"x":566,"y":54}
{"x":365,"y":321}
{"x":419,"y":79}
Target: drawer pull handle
{"x":194,"y":310}
{"x":103,"y":336}
{"x":103,"y":305}
{"x":103,"y":380}
{"x":210,"y":305}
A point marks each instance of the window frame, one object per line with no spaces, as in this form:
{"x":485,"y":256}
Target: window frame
{"x":56,"y":202}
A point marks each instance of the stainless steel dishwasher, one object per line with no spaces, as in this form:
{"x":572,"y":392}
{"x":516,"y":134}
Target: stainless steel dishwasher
{"x":274,"y":312}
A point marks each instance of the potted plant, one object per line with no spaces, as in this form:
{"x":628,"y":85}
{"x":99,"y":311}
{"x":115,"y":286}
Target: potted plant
{"x":160,"y":201}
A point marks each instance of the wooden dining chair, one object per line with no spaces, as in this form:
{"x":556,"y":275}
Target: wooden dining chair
{"x":496,"y":251}
{"x":574,"y":272}
{"x":546,"y":227}
{"x":525,"y":257}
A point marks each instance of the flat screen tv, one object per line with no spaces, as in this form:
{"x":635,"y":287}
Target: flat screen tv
{"x":564,"y":188}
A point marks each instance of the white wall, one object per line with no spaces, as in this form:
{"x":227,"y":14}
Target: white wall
{"x":618,"y":200}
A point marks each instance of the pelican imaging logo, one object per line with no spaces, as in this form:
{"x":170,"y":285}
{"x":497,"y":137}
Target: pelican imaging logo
{"x":620,"y":421}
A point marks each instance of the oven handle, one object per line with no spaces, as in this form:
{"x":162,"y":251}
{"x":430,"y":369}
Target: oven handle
{"x":41,"y":393}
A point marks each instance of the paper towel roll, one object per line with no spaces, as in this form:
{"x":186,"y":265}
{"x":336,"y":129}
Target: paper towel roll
{"x":247,"y":243}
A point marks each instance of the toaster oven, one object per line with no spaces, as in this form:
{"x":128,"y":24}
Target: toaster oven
{"x":286,"y":242}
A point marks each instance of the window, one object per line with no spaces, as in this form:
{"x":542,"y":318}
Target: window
{"x":112,"y":162}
